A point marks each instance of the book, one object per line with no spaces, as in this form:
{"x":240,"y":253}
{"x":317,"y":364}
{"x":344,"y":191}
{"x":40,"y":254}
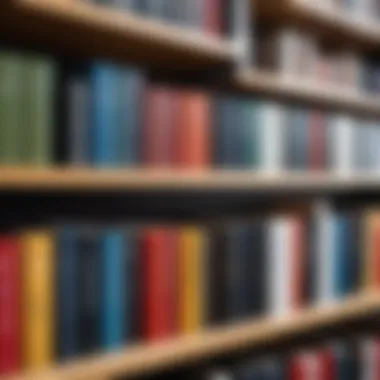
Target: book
{"x":10,"y":302}
{"x":113,"y":280}
{"x":158,"y":283}
{"x":10,"y":102}
{"x":67,"y":299}
{"x":106,"y":131}
{"x":89,"y":290}
{"x":192,"y":253}
{"x":37,"y":295}
{"x":37,"y":99}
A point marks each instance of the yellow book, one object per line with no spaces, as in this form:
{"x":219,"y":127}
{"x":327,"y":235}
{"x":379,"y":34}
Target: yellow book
{"x":192,"y":250}
{"x":371,"y":228}
{"x":37,"y":298}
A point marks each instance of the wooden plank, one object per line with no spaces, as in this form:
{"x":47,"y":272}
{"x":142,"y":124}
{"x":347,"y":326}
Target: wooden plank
{"x":95,"y":180}
{"x":307,"y":92}
{"x":145,"y":359}
{"x":86,"y":30}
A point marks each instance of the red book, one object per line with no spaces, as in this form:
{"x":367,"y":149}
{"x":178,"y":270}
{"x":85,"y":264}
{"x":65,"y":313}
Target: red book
{"x":317,"y":141}
{"x":9,"y":304}
{"x":213,"y":18}
{"x":192,"y":130}
{"x":328,"y":369}
{"x":158,"y":127}
{"x":298,"y":262}
{"x":158,"y":265}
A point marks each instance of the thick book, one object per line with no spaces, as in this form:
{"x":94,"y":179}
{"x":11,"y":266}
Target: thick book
{"x":131,"y":87}
{"x":213,"y":16}
{"x":191,"y":277}
{"x":10,"y":311}
{"x":158,"y":150}
{"x":316,"y":141}
{"x":106,"y":115}
{"x":67,"y":300}
{"x":38,"y":93}
{"x":192,"y":130}
{"x":37,"y":295}
{"x":158,"y":283}
{"x":72,"y":135}
{"x":113,"y":281}
{"x":11,"y":131}
{"x":89,"y":290}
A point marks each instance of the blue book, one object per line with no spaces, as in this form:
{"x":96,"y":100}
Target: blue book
{"x":67,"y":294}
{"x":106,"y":115}
{"x":113,"y":313}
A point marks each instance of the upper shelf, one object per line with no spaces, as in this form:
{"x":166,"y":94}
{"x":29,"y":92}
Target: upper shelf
{"x":83,"y":29}
{"x":353,"y":315}
{"x":337,"y":26}
{"x":307,"y":92}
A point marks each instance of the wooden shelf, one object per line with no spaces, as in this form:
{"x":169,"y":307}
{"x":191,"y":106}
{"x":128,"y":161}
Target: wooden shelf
{"x":307,"y":92}
{"x":82,"y":29}
{"x":98,"y":180}
{"x":334,"y":25}
{"x":357,"y":311}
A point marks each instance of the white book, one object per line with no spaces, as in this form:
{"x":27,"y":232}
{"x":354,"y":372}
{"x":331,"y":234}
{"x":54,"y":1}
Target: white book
{"x":324,"y":251}
{"x":289,"y":48}
{"x":278,"y":269}
{"x":273,"y":138}
{"x":342,"y":154}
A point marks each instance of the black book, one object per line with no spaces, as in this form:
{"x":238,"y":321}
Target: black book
{"x":216,"y":278}
{"x":89,"y":290}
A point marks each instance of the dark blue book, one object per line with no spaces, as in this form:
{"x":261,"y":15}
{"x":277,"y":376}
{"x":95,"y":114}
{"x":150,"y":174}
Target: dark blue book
{"x":67,"y":294}
{"x":89,"y":290}
{"x":113,"y":313}
{"x":106,"y":115}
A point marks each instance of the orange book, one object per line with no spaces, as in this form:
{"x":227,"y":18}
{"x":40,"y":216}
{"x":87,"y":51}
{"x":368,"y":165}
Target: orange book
{"x":371,"y":241}
{"x":191,"y":289}
{"x":192,"y":130}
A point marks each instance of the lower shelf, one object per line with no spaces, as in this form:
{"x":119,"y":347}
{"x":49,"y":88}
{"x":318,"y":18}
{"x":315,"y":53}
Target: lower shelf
{"x":143,"y":359}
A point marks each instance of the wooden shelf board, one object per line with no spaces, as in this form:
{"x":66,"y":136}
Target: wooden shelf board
{"x":93,"y":180}
{"x":145,"y":359}
{"x":83,"y":29}
{"x":334,"y":25}
{"x":308,"y":92}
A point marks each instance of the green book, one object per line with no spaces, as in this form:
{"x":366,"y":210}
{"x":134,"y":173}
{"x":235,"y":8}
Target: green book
{"x":252,"y":134}
{"x":39,"y":75}
{"x":10,"y":110}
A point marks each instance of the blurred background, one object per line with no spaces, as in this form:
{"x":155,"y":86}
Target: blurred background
{"x":189,"y":189}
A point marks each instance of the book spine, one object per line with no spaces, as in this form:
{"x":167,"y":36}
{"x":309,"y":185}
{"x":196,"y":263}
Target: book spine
{"x":112,"y":318}
{"x":89,"y":291}
{"x":10,"y":328}
{"x":191,"y":279}
{"x":67,"y":293}
{"x":37,"y":249}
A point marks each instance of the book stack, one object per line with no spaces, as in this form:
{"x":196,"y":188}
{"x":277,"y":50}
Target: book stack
{"x":77,"y":289}
{"x":338,"y":360}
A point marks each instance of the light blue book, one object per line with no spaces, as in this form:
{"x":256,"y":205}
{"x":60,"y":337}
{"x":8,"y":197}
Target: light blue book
{"x":106,"y":116}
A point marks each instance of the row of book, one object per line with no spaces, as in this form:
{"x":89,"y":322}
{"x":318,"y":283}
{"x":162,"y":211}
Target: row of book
{"x":362,"y":10}
{"x":293,"y":53}
{"x":338,"y":360}
{"x":77,"y":289}
{"x":212,"y":16}
{"x":104,"y":115}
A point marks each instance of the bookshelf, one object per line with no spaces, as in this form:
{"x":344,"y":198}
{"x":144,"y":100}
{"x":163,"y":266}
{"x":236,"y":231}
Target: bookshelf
{"x":334,"y":25}
{"x":98,"y":180}
{"x":255,"y":335}
{"x":71,"y":27}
